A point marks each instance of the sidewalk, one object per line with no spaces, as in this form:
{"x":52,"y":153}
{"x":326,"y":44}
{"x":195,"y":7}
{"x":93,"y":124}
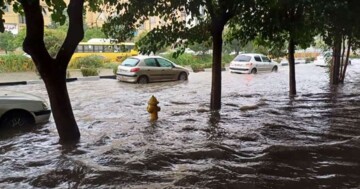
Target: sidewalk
{"x":31,"y":76}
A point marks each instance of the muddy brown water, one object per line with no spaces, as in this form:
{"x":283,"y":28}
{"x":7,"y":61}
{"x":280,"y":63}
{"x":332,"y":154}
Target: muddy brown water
{"x":261,"y":138}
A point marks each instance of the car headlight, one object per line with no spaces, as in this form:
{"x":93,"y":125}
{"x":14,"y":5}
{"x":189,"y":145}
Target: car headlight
{"x":45,"y":106}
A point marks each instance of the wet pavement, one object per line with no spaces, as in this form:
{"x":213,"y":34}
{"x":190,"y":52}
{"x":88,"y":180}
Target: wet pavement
{"x":30,"y":76}
{"x":261,"y":138}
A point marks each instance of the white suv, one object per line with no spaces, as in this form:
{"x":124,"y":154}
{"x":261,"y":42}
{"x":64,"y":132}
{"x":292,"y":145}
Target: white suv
{"x":21,"y":109}
{"x":252,"y":63}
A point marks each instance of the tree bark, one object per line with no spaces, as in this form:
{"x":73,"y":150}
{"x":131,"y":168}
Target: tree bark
{"x":335,"y":68}
{"x":346,"y":60}
{"x":292,"y":79}
{"x":215,"y":102}
{"x":342,"y":57}
{"x":53,"y":71}
{"x":61,"y":107}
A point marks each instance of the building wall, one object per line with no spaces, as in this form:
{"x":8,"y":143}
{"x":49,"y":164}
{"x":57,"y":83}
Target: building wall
{"x":14,"y":22}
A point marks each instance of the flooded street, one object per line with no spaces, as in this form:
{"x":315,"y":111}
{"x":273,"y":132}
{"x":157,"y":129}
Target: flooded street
{"x":261,"y":138}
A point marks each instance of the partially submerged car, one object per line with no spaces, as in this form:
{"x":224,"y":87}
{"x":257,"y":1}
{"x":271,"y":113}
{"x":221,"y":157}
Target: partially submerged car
{"x":145,"y":69}
{"x":22,"y":109}
{"x":252,"y":63}
{"x":324,"y":59}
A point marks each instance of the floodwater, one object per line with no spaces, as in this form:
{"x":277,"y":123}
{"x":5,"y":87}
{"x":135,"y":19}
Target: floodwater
{"x":261,"y":138}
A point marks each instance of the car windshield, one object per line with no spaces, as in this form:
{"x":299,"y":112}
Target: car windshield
{"x":242,"y":58}
{"x":130,"y":62}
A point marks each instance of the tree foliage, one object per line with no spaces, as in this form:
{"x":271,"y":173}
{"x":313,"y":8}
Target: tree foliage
{"x":276,"y":23}
{"x":7,"y":42}
{"x":205,"y":19}
{"x":341,"y":31}
{"x":93,"y":32}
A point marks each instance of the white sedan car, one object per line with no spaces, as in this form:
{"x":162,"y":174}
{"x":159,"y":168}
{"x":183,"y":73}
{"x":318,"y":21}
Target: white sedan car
{"x":252,"y":63}
{"x":22,"y":109}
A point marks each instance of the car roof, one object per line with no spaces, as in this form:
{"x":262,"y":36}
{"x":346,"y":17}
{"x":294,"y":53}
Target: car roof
{"x":252,"y":54}
{"x":142,"y":57}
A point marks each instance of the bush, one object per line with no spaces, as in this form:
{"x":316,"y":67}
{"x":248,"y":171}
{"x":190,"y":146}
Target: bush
{"x":309,"y":59}
{"x":16,"y":63}
{"x":198,"y":62}
{"x":197,"y":67}
{"x":88,"y":62}
{"x":112,"y":65}
{"x":89,"y":72}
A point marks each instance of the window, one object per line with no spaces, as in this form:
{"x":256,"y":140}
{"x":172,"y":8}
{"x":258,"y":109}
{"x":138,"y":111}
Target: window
{"x":265,"y":59}
{"x":120,"y":48}
{"x":152,"y":20}
{"x":88,"y":48}
{"x":6,"y":8}
{"x":164,"y":63}
{"x":130,"y":62}
{"x":21,"y":19}
{"x":257,"y":58}
{"x":108,"y":48}
{"x":80,"y":48}
{"x":242,"y":58}
{"x":98,"y":48}
{"x":150,"y":62}
{"x":129,"y":47}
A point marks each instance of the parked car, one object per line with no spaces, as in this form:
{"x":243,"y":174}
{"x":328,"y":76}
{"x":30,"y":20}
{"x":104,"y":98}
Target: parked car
{"x":324,"y":59}
{"x":145,"y":69}
{"x":252,"y":63}
{"x":300,"y":61}
{"x":22,"y":109}
{"x":284,"y":62}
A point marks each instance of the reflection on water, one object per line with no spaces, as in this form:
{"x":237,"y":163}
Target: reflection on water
{"x":260,"y":139}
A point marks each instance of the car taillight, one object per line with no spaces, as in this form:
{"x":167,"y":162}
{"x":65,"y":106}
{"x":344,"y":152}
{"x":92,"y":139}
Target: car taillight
{"x":249,"y":64}
{"x":135,"y":69}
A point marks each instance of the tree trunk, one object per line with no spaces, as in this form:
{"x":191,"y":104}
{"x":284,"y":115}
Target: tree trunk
{"x":342,"y":57}
{"x":292,"y":79}
{"x":215,"y":102}
{"x":335,"y":68}
{"x":60,"y":105}
{"x":346,"y":60}
{"x":53,"y":71}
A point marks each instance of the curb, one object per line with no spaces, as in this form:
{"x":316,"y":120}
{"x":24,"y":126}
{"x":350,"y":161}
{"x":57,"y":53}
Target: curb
{"x":90,"y":78}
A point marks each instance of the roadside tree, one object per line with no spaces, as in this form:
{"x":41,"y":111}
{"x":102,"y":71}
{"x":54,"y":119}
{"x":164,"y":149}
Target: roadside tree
{"x":278,"y":22}
{"x":53,"y":69}
{"x":183,"y":22}
{"x":340,"y":30}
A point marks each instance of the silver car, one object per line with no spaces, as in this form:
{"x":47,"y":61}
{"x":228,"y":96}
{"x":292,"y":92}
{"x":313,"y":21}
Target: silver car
{"x":145,"y":69}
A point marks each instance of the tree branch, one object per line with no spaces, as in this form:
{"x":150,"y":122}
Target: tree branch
{"x":210,"y":8}
{"x":34,"y":41}
{"x":75,"y":32}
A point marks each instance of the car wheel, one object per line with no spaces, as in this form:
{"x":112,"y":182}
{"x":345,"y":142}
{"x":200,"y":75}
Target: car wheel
{"x":17,"y":119}
{"x":183,"y":76}
{"x":253,"y":71}
{"x":143,"y":80}
{"x":275,"y":69}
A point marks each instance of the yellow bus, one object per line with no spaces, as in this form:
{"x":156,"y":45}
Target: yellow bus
{"x":112,"y":52}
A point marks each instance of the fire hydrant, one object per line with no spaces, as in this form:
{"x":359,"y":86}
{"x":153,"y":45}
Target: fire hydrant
{"x":153,"y":109}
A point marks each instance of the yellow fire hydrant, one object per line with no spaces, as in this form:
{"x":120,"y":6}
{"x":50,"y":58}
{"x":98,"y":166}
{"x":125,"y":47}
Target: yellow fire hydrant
{"x":153,"y":109}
